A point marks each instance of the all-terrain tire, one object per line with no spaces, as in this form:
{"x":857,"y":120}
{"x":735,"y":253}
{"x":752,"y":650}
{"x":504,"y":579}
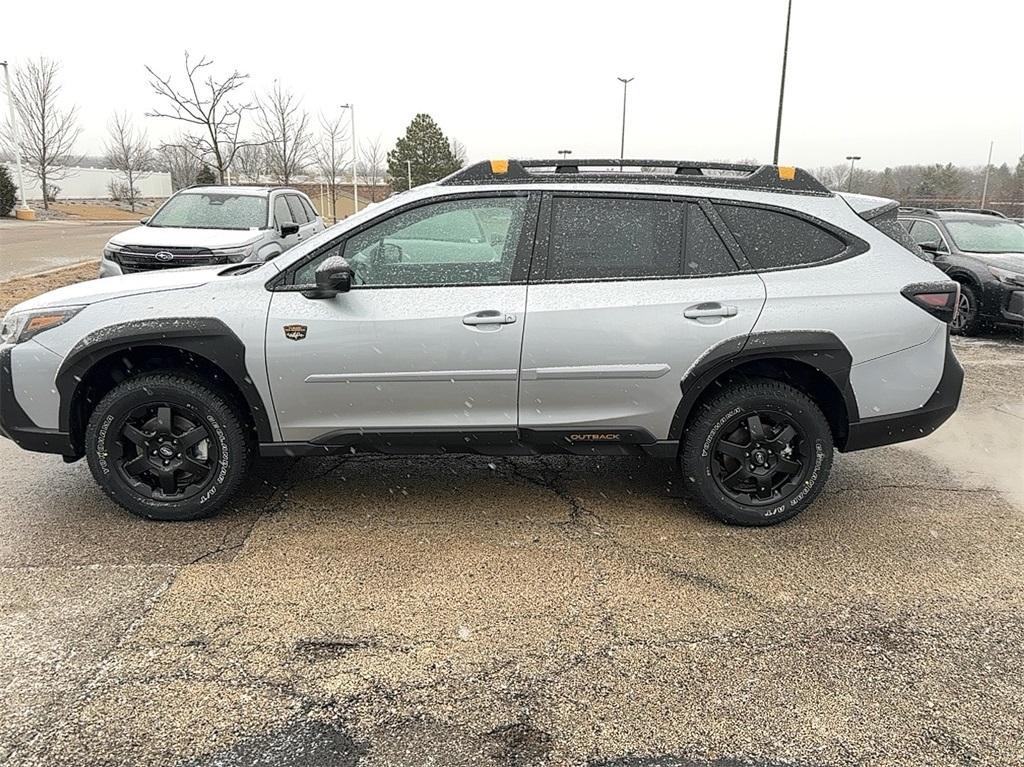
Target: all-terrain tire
{"x":721,"y":443}
{"x":157,"y":424}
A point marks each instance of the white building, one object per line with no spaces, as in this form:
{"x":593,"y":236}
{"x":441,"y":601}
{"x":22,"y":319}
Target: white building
{"x":92,"y":184}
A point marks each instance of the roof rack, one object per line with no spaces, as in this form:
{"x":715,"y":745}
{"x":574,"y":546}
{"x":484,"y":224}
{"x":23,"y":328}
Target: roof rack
{"x":768,"y":178}
{"x":981,"y":211}
{"x":917,"y":211}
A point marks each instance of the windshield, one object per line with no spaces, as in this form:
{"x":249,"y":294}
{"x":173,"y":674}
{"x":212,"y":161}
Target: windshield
{"x":213,"y":210}
{"x":998,"y":236}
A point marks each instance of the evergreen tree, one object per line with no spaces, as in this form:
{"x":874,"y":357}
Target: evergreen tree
{"x":8,"y":191}
{"x":206,"y":176}
{"x":424,"y":150}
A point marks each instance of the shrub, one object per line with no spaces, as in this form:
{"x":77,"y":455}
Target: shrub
{"x":8,"y":192}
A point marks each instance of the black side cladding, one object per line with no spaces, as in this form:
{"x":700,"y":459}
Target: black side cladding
{"x":205,"y":337}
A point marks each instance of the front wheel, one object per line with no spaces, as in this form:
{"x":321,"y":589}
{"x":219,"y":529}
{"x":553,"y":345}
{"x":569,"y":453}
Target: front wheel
{"x":165,"y":446}
{"x":757,"y":453}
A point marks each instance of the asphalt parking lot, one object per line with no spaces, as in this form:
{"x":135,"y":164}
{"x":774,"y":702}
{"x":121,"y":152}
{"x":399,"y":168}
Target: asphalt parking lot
{"x":469,"y":611}
{"x":28,"y":247}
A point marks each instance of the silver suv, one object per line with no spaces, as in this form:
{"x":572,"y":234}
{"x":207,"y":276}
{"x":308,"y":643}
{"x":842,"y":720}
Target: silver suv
{"x":741,"y":320}
{"x":214,"y":225}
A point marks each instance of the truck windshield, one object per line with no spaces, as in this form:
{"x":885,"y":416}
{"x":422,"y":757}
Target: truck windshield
{"x":212,"y":210}
{"x":987,"y":236}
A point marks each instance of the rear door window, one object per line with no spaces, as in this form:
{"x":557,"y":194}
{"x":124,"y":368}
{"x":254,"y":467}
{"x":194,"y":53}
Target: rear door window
{"x":771,"y":239}
{"x":610,"y":238}
{"x":705,"y":251}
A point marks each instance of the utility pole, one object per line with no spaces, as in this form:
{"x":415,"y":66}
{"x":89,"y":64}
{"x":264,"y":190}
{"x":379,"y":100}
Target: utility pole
{"x":408,"y":170}
{"x":17,"y":136}
{"x":782,"y":86}
{"x":988,"y":167}
{"x":849,"y":182}
{"x":622,"y":145}
{"x":355,"y":156}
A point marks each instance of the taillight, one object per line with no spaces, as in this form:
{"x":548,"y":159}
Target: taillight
{"x":939,"y":299}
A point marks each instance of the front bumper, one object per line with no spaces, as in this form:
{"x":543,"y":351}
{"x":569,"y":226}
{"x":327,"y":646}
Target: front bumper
{"x":15,"y":423}
{"x":914,"y":424}
{"x":109,"y":269}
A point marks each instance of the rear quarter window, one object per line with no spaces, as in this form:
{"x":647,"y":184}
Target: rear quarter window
{"x":771,"y":239}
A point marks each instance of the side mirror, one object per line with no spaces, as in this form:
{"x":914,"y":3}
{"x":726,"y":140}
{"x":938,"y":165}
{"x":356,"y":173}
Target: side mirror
{"x":143,"y":221}
{"x":932,"y":248}
{"x":333,"y":276}
{"x":287,"y":230}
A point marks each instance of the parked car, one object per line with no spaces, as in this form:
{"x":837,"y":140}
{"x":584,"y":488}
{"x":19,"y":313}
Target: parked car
{"x":742,"y":320}
{"x":984,"y":252}
{"x":214,"y":225}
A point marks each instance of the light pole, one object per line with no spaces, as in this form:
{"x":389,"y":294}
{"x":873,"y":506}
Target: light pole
{"x":849,"y":182}
{"x":565,"y":153}
{"x":622,"y":144}
{"x":988,"y":167}
{"x":17,"y":135}
{"x":782,"y":85}
{"x":355,"y":157}
{"x":408,"y":171}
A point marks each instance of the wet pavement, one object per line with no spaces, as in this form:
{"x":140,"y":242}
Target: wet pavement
{"x":473,"y":611}
{"x":29,"y":247}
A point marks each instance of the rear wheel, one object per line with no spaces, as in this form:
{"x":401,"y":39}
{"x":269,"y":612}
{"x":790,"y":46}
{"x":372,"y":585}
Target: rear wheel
{"x":967,"y":321}
{"x":757,"y":453}
{"x":165,"y":446}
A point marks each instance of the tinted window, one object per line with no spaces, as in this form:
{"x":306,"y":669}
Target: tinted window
{"x":926,"y":231}
{"x":705,"y":251}
{"x":594,"y":238}
{"x":281,"y":213}
{"x":298,"y":212}
{"x":896,"y":230}
{"x":458,"y":242}
{"x":771,"y":239}
{"x":212,"y":210}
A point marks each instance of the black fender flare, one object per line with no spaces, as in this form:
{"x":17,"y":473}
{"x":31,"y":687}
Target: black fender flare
{"x":817,"y":349}
{"x":205,"y":337}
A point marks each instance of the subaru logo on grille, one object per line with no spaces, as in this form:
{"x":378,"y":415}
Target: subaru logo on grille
{"x":164,"y":255}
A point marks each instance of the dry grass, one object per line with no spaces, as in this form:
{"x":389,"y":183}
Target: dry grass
{"x":91,"y":211}
{"x":18,"y":289}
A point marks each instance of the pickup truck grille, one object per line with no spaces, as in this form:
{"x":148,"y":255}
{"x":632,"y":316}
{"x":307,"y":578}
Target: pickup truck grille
{"x":143,"y":258}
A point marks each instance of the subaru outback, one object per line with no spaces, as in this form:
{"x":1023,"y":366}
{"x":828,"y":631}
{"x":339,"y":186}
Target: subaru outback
{"x":741,"y":320}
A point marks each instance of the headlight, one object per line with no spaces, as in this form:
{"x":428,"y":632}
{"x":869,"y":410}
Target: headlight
{"x":21,"y":326}
{"x":110,"y":251}
{"x":1007,"y":277}
{"x":237,"y":254}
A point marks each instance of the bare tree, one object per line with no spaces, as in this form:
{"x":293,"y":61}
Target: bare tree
{"x":180,"y":163}
{"x":459,"y":152}
{"x":283,"y":128}
{"x":47,"y":132}
{"x":129,"y":152}
{"x":330,"y":155}
{"x":373,"y":164}
{"x":207,"y":104}
{"x":252,"y":162}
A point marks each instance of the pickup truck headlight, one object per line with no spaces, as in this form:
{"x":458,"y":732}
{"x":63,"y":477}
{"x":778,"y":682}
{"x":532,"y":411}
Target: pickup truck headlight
{"x":1007,"y":277}
{"x":21,"y":326}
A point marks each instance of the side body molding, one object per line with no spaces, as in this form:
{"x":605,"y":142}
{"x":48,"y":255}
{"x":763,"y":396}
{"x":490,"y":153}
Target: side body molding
{"x":206,"y":337}
{"x":818,"y":349}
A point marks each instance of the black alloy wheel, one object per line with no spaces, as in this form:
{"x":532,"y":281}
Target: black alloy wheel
{"x":758,"y":458}
{"x":166,"y":454}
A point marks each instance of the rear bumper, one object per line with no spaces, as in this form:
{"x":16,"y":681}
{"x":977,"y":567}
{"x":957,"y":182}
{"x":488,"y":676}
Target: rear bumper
{"x":15,"y":423}
{"x":913,"y":424}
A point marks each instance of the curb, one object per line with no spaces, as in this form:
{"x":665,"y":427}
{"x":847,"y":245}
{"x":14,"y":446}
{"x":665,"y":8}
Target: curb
{"x":54,"y":270}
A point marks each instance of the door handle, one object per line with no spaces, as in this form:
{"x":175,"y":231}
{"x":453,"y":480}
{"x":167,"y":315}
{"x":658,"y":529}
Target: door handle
{"x":710,"y":309}
{"x":489,"y":317}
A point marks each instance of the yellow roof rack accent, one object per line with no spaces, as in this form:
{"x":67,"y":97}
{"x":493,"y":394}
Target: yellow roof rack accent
{"x":787,"y":172}
{"x":499,"y":167}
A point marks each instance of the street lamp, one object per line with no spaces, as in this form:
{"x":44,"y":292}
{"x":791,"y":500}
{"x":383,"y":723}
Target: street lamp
{"x":16,"y":137}
{"x":565,"y":153}
{"x":988,"y":167}
{"x":408,"y":171}
{"x":355,"y":157}
{"x":622,"y":145}
{"x":782,"y":85}
{"x":849,"y":182}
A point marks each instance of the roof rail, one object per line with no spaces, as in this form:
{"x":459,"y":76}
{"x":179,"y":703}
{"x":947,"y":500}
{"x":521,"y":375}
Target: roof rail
{"x":916,"y":211}
{"x":981,"y":211}
{"x":768,"y":178}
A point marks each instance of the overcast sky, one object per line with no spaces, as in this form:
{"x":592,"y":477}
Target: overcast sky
{"x":896,"y":81}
